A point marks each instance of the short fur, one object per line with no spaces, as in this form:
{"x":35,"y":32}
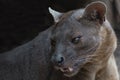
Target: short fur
{"x":93,"y":54}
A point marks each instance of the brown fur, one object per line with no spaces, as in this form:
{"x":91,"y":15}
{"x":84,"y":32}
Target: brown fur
{"x":102,"y":66}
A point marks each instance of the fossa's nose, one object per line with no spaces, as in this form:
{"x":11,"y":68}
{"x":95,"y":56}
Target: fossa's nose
{"x":58,"y":59}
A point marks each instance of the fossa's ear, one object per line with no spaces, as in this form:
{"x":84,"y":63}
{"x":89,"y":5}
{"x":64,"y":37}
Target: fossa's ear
{"x":95,"y":12}
{"x":56,"y":15}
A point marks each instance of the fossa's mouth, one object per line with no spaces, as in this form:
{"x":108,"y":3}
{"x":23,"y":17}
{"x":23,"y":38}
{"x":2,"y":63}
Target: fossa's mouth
{"x":73,"y":69}
{"x":69,"y":71}
{"x":72,"y":72}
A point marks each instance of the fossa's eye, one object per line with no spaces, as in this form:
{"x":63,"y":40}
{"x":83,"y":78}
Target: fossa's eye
{"x":76,"y":39}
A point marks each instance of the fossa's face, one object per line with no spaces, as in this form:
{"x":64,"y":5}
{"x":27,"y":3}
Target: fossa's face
{"x":74,"y":42}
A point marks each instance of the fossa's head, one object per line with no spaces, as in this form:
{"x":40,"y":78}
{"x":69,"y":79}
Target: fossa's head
{"x":75,"y":38}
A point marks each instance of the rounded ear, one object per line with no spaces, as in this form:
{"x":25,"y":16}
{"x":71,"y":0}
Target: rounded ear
{"x":95,"y":12}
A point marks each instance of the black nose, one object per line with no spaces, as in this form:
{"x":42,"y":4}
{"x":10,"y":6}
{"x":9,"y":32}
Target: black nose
{"x":59,"y":59}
